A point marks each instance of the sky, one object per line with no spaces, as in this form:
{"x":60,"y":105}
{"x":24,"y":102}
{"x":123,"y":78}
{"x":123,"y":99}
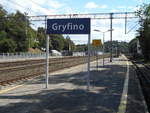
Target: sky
{"x":51,"y":7}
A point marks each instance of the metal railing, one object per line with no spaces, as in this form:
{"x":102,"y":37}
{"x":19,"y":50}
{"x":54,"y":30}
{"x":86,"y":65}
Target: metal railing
{"x":22,"y":55}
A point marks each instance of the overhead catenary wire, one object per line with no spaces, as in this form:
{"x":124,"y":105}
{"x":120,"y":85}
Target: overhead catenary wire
{"x":7,"y":7}
{"x":17,"y":4}
{"x":37,"y":4}
{"x":4,"y":5}
{"x":132,"y":28}
{"x":26,"y":9}
{"x":118,"y":15}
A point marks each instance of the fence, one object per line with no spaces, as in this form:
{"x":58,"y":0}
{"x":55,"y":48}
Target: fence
{"x":13,"y":56}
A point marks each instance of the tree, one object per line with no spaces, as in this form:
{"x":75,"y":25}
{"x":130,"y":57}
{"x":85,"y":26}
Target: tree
{"x":120,"y":46}
{"x":123,"y":47}
{"x":41,"y":37}
{"x":7,"y":45}
{"x":81,"y":48}
{"x":3,"y":13}
{"x":144,"y":31}
{"x":57,"y":42}
{"x":15,"y":28}
{"x":32,"y":38}
{"x":69,"y":44}
{"x":3,"y":35}
{"x":133,"y":46}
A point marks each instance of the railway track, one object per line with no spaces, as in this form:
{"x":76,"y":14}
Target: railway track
{"x":26,"y":62}
{"x":143,"y":74}
{"x":11,"y":72}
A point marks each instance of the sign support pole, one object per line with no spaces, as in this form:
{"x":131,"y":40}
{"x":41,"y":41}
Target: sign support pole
{"x":84,"y":27}
{"x":97,"y":58}
{"x":47,"y":59}
{"x":103,"y":49}
{"x":111,"y":17}
{"x":88,"y":75}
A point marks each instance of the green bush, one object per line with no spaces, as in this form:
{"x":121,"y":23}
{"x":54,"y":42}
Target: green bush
{"x":7,"y":45}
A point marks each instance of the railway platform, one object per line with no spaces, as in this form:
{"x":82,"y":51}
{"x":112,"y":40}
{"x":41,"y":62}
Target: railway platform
{"x":114,"y":89}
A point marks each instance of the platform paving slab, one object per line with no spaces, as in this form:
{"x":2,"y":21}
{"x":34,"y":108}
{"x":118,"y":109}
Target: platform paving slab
{"x":67,"y":92}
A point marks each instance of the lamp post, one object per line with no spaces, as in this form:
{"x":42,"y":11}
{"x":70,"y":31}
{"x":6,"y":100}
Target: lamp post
{"x":103,"y":40}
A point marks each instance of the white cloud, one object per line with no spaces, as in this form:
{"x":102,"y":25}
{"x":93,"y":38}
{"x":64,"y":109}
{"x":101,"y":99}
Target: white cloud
{"x":51,"y":6}
{"x":128,"y":8}
{"x":44,"y":7}
{"x":103,"y":6}
{"x":54,"y":4}
{"x":114,"y":10}
{"x":141,"y":1}
{"x":91,"y":5}
{"x":121,"y":7}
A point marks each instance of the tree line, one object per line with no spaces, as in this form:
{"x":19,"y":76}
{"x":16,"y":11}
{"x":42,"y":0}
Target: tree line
{"x":143,"y":33}
{"x":16,"y":35}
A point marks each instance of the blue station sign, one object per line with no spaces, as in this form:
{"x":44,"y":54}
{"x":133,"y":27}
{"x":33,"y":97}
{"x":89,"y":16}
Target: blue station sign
{"x":69,"y":26}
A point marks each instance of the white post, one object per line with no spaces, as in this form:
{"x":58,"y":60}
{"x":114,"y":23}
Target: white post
{"x":111,"y":17}
{"x":97,"y":58}
{"x":116,"y":51}
{"x":47,"y":59}
{"x":103,"y":48}
{"x":88,"y":74}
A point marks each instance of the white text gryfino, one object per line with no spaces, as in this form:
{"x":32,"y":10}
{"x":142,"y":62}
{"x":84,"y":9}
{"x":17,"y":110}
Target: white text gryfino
{"x":68,"y":26}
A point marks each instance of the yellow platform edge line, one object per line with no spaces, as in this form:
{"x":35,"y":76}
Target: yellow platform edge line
{"x":123,"y":102}
{"x":9,"y":89}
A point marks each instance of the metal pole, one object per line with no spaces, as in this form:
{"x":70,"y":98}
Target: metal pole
{"x":103,"y":48}
{"x":47,"y":59}
{"x":116,"y":52}
{"x":97,"y":58}
{"x":88,"y":74}
{"x":111,"y":36}
{"x":47,"y":54}
{"x":126,"y":23}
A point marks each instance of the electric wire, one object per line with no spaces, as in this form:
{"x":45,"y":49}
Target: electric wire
{"x":38,"y":4}
{"x":26,"y":9}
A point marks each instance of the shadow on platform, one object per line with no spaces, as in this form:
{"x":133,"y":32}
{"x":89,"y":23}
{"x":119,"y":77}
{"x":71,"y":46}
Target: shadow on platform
{"x":106,"y":99}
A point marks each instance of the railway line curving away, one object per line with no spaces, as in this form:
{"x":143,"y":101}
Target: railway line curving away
{"x":143,"y":74}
